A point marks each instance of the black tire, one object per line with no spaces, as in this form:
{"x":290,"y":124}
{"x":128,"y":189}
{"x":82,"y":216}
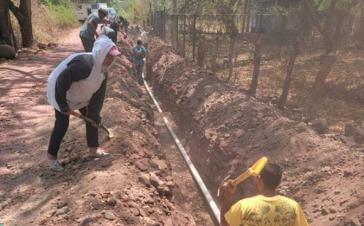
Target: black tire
{"x":7,"y":51}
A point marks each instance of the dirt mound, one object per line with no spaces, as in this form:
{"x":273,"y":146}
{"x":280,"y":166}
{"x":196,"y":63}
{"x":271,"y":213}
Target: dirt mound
{"x":227,"y":130}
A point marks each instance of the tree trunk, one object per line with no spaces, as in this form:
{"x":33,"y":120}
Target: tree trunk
{"x":184,"y":35}
{"x":327,"y":61}
{"x":248,"y":18}
{"x":216,"y":54}
{"x":231,"y":56}
{"x":26,"y":25}
{"x":326,"y":64}
{"x":287,"y":81}
{"x":174,"y":25}
{"x":330,"y":31}
{"x":194,"y":38}
{"x":256,"y":70}
{"x":359,"y":32}
{"x":23,"y":14}
{"x":329,"y":58}
{"x":201,"y":52}
{"x":5,"y":25}
{"x":243,"y":29}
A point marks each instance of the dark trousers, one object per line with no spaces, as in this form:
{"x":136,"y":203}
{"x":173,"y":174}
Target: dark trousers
{"x":139,"y":72}
{"x":88,"y":44}
{"x":91,"y":111}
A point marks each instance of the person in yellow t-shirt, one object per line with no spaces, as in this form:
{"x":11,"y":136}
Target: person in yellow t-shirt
{"x":265,"y":209}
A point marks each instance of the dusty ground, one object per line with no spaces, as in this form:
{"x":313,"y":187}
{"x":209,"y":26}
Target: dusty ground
{"x":142,"y":183}
{"x":227,"y":131}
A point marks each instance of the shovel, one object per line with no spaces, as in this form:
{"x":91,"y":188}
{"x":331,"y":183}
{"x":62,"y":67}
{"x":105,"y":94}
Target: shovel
{"x":93,"y":123}
{"x":254,"y":170}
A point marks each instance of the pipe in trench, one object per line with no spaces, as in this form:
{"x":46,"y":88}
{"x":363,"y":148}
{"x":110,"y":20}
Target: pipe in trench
{"x":196,"y":176}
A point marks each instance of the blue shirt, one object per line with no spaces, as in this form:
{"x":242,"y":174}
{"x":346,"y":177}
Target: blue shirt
{"x":139,"y":52}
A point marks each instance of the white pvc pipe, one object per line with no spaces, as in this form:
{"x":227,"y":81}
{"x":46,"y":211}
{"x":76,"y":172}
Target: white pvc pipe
{"x":211,"y":202}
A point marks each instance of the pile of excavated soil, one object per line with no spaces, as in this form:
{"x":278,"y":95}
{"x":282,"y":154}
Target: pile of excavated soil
{"x":133,"y":186}
{"x":227,"y":130}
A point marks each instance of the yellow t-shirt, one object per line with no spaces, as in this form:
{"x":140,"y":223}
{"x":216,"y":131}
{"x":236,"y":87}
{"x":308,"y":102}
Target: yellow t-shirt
{"x":266,"y":211}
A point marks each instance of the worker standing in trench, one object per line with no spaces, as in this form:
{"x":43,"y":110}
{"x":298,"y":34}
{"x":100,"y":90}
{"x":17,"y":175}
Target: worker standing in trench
{"x":79,"y":83}
{"x":265,"y":209}
{"x":139,"y":53}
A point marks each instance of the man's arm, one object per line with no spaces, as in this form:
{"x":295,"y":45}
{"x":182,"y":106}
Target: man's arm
{"x":227,"y":191}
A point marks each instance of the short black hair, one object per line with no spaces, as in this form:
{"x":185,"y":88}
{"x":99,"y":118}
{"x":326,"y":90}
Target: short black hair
{"x":139,"y":42}
{"x":271,"y":175}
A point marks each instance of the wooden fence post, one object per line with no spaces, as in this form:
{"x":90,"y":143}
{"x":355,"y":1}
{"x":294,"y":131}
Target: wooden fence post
{"x":164,"y":25}
{"x":244,"y":16}
{"x":216,"y":54}
{"x":248,"y":17}
{"x":231,"y":55}
{"x":256,"y":64}
{"x":176,"y":31}
{"x":184,"y":36}
{"x":194,"y":38}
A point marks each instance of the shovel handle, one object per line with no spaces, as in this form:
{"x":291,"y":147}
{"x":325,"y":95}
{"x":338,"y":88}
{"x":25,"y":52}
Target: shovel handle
{"x":78,"y":115}
{"x":93,"y":123}
{"x":254,"y":170}
{"x":243,"y":176}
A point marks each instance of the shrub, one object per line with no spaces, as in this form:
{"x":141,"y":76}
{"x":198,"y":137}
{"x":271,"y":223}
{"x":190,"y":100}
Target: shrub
{"x":61,"y":13}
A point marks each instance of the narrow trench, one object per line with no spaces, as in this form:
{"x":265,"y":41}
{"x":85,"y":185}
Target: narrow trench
{"x":208,"y":162}
{"x":187,"y":194}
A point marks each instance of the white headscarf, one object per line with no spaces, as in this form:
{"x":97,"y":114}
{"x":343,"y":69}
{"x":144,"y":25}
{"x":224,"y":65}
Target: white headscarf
{"x":80,"y":93}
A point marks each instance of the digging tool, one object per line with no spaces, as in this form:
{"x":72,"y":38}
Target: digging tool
{"x":254,"y":170}
{"x":93,"y":123}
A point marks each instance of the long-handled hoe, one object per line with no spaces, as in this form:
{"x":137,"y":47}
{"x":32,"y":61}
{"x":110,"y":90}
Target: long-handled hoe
{"x":254,"y":170}
{"x":93,"y":123}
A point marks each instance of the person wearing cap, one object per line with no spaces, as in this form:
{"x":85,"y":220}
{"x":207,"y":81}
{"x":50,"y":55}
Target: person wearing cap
{"x":79,"y":83}
{"x":265,"y":209}
{"x":88,"y":31}
{"x":139,"y":53}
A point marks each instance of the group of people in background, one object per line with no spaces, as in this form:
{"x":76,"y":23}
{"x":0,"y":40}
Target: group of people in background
{"x":110,"y":27}
{"x":88,"y":33}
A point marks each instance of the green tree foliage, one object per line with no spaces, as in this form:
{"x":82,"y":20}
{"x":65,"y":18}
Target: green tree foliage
{"x":138,"y":10}
{"x":61,"y":12}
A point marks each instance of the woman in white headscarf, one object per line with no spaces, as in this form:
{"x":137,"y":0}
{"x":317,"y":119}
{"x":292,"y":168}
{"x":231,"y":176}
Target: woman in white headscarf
{"x":79,"y":83}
